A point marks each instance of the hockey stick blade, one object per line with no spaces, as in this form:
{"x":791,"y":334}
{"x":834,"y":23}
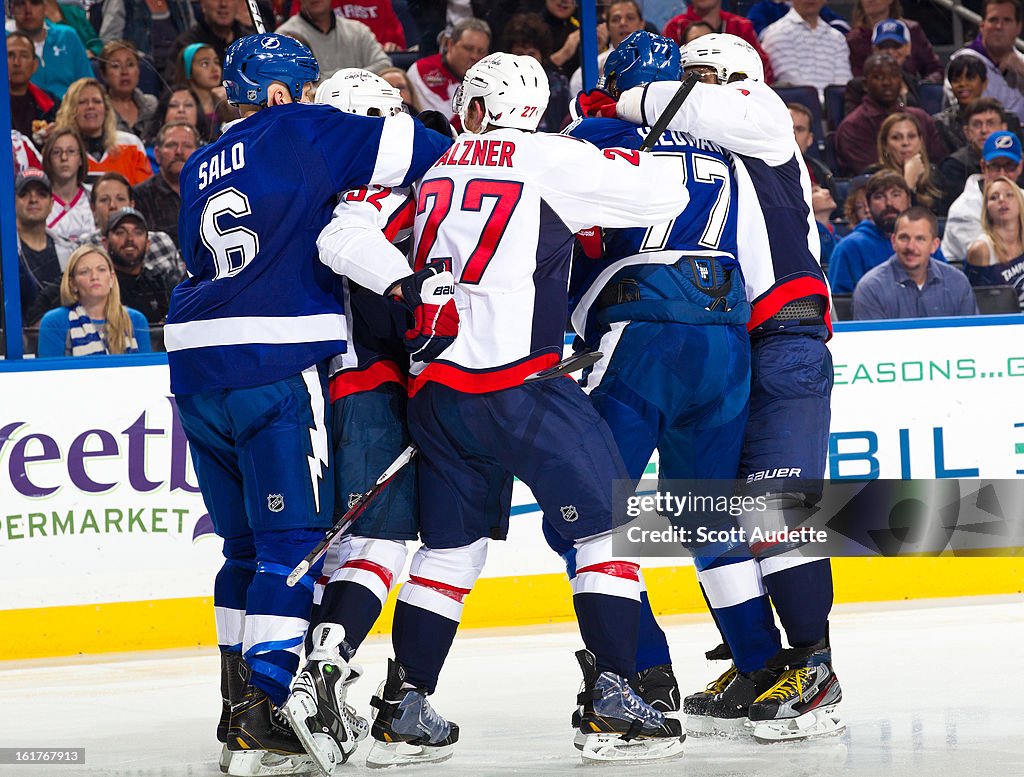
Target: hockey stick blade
{"x":670,"y":110}
{"x":256,"y":16}
{"x":575,"y":363}
{"x":343,"y":524}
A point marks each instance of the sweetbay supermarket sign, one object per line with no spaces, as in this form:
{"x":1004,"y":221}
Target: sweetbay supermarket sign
{"x":97,"y":487}
{"x":99,"y":503}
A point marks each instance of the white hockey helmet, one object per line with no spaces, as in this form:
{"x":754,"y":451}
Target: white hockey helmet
{"x":729,"y":55}
{"x":514,"y":90}
{"x":352,"y":90}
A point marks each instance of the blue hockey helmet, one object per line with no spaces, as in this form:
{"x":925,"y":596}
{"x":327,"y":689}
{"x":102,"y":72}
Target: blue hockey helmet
{"x":254,"y":62}
{"x":641,"y":58}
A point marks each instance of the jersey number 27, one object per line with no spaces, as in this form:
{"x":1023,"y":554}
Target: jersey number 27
{"x":437,"y":195}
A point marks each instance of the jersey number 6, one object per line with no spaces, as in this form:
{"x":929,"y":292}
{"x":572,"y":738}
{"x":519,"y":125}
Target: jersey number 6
{"x":441,"y":191}
{"x":232,"y":248}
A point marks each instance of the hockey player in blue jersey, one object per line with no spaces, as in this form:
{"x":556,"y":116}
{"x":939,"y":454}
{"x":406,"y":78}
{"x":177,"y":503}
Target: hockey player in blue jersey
{"x":248,"y":334}
{"x":793,"y":693}
{"x":656,"y":301}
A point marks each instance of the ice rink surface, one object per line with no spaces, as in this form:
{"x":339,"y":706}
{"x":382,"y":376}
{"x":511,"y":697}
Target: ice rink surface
{"x":930,"y":688}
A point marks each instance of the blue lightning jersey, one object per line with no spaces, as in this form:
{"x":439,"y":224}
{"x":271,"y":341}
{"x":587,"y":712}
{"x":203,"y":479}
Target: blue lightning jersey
{"x":649,"y":256}
{"x":258,"y":304}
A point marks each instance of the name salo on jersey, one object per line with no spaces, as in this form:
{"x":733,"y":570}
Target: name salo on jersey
{"x":257,"y":305}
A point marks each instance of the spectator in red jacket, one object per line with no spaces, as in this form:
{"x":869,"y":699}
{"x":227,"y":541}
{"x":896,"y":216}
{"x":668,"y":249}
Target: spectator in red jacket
{"x":378,"y":15}
{"x":711,"y":13}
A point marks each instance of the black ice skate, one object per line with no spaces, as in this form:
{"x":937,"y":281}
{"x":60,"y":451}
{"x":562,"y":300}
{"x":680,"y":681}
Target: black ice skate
{"x":232,"y":686}
{"x":406,"y":729}
{"x":658,"y":687}
{"x":617,"y":725}
{"x":723,"y":708}
{"x":802,"y":703}
{"x":329,"y":729}
{"x":261,"y":742}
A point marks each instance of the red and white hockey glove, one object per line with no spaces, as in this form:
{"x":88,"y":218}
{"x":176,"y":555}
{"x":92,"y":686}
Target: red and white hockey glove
{"x":596,"y":103}
{"x":430,"y":296}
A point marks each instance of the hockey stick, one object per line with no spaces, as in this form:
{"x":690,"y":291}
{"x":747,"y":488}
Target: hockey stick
{"x":670,"y":111}
{"x":256,"y":16}
{"x":574,"y":363}
{"x":350,"y":517}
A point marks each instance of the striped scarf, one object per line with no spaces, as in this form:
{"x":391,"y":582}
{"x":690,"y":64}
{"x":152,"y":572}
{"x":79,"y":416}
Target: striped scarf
{"x":89,"y":337}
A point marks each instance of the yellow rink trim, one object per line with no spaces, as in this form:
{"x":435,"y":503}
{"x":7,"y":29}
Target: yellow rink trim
{"x":503,"y":601}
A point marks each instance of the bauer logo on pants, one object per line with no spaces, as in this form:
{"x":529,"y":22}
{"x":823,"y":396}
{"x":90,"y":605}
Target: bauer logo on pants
{"x":275,"y":502}
{"x":569,"y":514}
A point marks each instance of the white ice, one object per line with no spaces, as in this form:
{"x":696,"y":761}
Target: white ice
{"x":930,"y":688}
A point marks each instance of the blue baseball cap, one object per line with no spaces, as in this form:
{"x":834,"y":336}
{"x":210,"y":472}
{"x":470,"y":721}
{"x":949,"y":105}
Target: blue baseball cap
{"x":1002,"y":145}
{"x":890,"y":30}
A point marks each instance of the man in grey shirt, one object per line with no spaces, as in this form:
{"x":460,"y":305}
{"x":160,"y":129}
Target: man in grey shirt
{"x":910,"y":284}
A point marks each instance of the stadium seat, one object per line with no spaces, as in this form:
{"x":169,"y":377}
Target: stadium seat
{"x":807,"y":96}
{"x":842,"y":304}
{"x":996,"y":299}
{"x":931,"y":98}
{"x":834,"y":101}
{"x":404,"y":59}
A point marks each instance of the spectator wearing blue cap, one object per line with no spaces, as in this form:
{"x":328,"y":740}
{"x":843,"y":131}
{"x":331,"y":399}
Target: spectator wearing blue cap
{"x":892,"y":37}
{"x":1000,"y":156}
{"x":866,"y":15}
{"x":980,"y":119}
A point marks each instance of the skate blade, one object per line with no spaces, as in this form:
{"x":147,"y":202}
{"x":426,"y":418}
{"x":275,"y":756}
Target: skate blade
{"x":603,"y":748}
{"x":322,"y":748}
{"x":262,"y":763}
{"x":384,"y":754}
{"x":225,"y":759}
{"x":703,"y":726}
{"x":824,"y":722}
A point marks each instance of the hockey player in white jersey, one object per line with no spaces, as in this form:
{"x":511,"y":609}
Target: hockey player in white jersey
{"x":796,"y":694}
{"x":500,"y":210}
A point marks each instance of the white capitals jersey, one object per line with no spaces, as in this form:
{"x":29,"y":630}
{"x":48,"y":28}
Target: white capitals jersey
{"x":503,"y":207}
{"x":778,"y":246}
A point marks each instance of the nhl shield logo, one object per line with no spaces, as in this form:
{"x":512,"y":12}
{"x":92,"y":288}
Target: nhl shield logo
{"x":569,"y":514}
{"x":275,"y":502}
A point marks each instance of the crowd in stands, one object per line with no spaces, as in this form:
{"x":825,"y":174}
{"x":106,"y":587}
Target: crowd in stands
{"x":915,"y":162}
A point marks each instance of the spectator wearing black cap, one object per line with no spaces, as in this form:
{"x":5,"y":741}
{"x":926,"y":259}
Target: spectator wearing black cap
{"x":147,"y":291}
{"x":42,"y":256}
{"x":110,"y":193}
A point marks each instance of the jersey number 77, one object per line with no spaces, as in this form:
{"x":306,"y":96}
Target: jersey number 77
{"x":437,"y":194}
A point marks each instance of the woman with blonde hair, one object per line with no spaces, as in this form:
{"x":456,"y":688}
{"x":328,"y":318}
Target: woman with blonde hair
{"x":996,"y":258}
{"x":92,"y":319}
{"x":86,"y":109}
{"x":901,"y":148}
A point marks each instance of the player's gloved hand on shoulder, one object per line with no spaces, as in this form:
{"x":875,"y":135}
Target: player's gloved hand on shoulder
{"x":430,"y":296}
{"x":595,"y":103}
{"x":438,"y":122}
